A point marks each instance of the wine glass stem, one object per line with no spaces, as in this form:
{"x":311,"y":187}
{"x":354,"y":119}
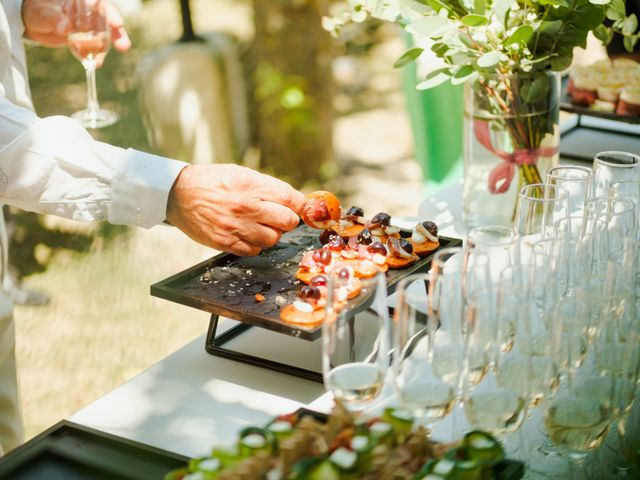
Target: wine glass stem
{"x":92,"y":92}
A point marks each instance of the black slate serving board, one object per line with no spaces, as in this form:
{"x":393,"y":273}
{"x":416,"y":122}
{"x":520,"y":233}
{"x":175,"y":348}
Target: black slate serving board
{"x":235,"y":281}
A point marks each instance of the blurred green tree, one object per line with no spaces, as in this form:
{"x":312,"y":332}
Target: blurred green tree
{"x":290,"y":89}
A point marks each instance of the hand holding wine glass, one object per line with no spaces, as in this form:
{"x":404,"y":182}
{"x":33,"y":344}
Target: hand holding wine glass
{"x":89,"y":40}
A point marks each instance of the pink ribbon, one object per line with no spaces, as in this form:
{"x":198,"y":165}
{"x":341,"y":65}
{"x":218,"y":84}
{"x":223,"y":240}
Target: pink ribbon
{"x":501,"y":176}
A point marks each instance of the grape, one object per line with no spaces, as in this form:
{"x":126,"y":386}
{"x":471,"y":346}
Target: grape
{"x":307,"y":292}
{"x":377,"y":247}
{"x":318,"y":281}
{"x":344,"y":273}
{"x":355,"y":212}
{"x":322,"y":256}
{"x":364,"y":237}
{"x":327,"y":235}
{"x":382,"y":219}
{"x":336,"y":244}
{"x":431,"y":227}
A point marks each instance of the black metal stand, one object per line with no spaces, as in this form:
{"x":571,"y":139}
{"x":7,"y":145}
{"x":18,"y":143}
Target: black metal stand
{"x":214,"y":346}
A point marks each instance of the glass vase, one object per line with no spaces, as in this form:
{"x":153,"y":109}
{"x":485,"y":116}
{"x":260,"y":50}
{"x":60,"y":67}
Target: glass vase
{"x":511,"y":138}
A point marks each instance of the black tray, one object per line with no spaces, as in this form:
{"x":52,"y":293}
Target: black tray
{"x":567,"y":106}
{"x":68,"y":451}
{"x":237,"y":280}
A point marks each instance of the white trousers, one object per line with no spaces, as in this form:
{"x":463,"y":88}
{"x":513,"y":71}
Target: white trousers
{"x":11,"y":430}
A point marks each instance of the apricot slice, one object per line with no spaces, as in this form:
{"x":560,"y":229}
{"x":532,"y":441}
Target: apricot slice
{"x":396,"y":263}
{"x":322,"y":210}
{"x":425,"y":248}
{"x":291,"y":314}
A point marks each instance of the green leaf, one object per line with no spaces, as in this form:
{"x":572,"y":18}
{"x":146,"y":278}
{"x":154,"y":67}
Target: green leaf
{"x":630,"y":42}
{"x":440,"y":49}
{"x":480,"y":6}
{"x":463,"y":71}
{"x":464,"y":74}
{"x":439,"y":71}
{"x":604,"y":34}
{"x":472,"y":20}
{"x":600,"y":2}
{"x":501,"y":8}
{"x":435,"y":78}
{"x":561,"y":62}
{"x":550,"y":27}
{"x":630,"y":25}
{"x":586,"y":16}
{"x":571,"y":36}
{"x":535,"y":90}
{"x":489,"y":59}
{"x":555,"y":3}
{"x":432,"y":26}
{"x":408,"y":56}
{"x":522,"y":35}
{"x":618,"y":9}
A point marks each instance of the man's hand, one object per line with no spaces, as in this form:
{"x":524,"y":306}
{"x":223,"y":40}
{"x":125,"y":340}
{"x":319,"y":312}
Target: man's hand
{"x":232,"y":208}
{"x":47,"y":22}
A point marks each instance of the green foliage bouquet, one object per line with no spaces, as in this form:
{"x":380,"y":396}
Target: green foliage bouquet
{"x":488,"y":43}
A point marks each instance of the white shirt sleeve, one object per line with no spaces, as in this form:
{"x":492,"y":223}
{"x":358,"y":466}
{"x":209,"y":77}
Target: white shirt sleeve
{"x":52,"y":165}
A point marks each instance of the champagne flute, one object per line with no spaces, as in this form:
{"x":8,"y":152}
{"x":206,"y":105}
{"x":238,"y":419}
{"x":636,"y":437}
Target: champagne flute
{"x":89,"y":39}
{"x":577,"y":181}
{"x":539,"y":207}
{"x":498,"y":242}
{"x":616,"y":212}
{"x":614,"y":166}
{"x":629,"y":189}
{"x":355,"y":348}
{"x":427,"y":365}
{"x":488,"y":404}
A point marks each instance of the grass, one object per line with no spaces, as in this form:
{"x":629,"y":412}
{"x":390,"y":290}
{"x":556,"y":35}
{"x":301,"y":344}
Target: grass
{"x":102,"y":327}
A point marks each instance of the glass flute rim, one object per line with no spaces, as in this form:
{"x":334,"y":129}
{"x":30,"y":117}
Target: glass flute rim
{"x":523,"y":195}
{"x":600,"y":161}
{"x":507,"y":232}
{"x":589,"y":173}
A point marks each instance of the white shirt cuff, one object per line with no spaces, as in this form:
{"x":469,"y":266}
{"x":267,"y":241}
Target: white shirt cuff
{"x":140,"y":188}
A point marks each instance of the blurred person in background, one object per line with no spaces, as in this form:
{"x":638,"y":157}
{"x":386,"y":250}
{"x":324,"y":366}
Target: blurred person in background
{"x":53,"y":166}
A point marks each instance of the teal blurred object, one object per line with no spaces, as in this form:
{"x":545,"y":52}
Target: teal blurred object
{"x":437,"y":123}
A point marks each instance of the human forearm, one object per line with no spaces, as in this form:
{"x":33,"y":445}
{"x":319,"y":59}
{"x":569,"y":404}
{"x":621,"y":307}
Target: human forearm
{"x":53,"y":166}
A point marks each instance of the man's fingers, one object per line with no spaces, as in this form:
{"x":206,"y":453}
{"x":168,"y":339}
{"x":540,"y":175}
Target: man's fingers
{"x":275,"y":190}
{"x":243,"y":249}
{"x":119,"y":36}
{"x":121,"y":40}
{"x":50,"y":40}
{"x":277,"y":216}
{"x":43,"y":18}
{"x":263,"y":236}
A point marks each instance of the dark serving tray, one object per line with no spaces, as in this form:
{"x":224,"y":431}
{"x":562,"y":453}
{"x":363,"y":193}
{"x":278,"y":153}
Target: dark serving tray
{"x":567,"y":106}
{"x":68,"y":451}
{"x":236,"y":281}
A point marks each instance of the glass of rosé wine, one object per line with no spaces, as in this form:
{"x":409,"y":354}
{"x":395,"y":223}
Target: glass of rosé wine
{"x":89,"y":39}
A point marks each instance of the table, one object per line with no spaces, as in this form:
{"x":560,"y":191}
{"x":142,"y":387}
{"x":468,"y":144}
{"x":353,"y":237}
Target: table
{"x":191,"y":401}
